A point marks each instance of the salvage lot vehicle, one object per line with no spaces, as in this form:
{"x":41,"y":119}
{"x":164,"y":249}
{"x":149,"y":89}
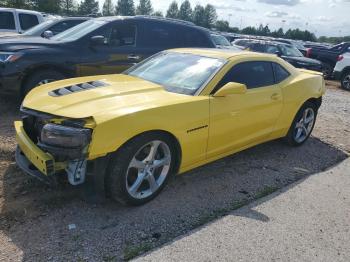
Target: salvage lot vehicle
{"x":99,"y":46}
{"x":287,"y":52}
{"x":176,"y":111}
{"x":342,"y":71}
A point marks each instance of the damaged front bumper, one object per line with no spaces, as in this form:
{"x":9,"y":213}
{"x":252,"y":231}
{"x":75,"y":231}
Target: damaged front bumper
{"x":39,"y":164}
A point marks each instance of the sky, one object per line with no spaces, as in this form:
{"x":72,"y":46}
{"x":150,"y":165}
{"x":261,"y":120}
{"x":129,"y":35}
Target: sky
{"x":322,"y":17}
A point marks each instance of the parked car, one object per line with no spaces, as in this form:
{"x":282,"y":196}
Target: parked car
{"x":329,"y":56}
{"x":221,"y":42}
{"x":51,"y":27}
{"x":287,"y":52}
{"x":342,"y":70}
{"x":13,"y":21}
{"x":103,"y":45}
{"x":166,"y":115}
{"x":241,"y":43}
{"x":294,"y":43}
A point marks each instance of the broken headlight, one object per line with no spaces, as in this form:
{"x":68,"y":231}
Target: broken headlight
{"x":64,"y":136}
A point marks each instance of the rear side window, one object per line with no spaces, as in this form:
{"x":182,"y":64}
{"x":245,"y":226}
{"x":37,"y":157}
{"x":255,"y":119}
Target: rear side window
{"x":194,"y":38}
{"x":63,"y":26}
{"x":253,"y":74}
{"x":280,"y":73}
{"x":27,"y":21}
{"x":161,"y":35}
{"x":7,"y":21}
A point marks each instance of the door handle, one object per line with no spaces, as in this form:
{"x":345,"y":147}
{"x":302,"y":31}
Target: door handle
{"x":275,"y":96}
{"x":134,"y":57}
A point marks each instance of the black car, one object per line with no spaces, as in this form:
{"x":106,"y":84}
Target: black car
{"x":287,"y":52}
{"x":294,"y":43}
{"x":99,"y":46}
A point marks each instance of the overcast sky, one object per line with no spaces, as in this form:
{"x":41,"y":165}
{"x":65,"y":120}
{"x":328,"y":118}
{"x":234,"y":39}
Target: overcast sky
{"x":322,"y":17}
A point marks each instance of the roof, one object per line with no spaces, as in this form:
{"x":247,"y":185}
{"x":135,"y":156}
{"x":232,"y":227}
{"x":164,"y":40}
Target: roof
{"x":220,"y":53}
{"x":19,"y":10}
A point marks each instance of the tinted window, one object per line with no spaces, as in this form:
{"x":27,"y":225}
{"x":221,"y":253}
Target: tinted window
{"x":252,"y":74}
{"x":256,"y":47}
{"x":161,"y":35}
{"x":27,"y":21}
{"x":63,"y":26}
{"x":119,"y":35}
{"x":280,"y":72}
{"x":7,"y":21}
{"x":271,"y":49}
{"x":194,"y":38}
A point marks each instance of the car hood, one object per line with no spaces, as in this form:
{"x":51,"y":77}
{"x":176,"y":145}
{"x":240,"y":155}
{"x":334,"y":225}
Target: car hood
{"x":302,"y":60}
{"x":14,"y":44}
{"x":108,"y":96}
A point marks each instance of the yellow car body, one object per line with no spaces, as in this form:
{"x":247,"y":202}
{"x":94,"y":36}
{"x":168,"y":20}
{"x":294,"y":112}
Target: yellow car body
{"x":205,"y":126}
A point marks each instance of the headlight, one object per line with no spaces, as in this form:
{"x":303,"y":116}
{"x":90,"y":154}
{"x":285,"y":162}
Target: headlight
{"x":9,"y":57}
{"x":64,"y":136}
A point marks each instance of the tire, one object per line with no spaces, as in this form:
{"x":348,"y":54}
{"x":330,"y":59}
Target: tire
{"x":131,"y":168}
{"x":345,"y":81}
{"x":300,"y":129}
{"x":327,"y":70}
{"x":39,"y":78}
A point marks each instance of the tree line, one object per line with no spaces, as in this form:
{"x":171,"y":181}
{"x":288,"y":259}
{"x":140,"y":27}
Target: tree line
{"x":205,"y":16}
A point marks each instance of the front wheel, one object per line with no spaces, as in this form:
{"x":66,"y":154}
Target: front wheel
{"x":302,"y":125}
{"x":139,"y":170}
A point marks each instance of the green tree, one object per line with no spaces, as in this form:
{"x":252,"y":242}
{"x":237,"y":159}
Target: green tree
{"x":108,"y":8}
{"x":88,"y":7}
{"x":210,"y":16}
{"x":222,"y":25}
{"x":125,"y":7}
{"x":68,"y":7}
{"x":48,"y":6}
{"x":24,"y":4}
{"x":198,"y":15}
{"x":185,"y":12}
{"x":173,"y":10}
{"x":157,"y":13}
{"x":144,"y":7}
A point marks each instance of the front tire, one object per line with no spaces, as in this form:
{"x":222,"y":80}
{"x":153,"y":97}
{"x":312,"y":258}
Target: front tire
{"x":302,"y":125}
{"x":345,"y":81}
{"x":139,"y":170}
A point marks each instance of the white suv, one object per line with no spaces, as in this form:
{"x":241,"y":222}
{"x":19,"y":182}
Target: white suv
{"x":18,"y":20}
{"x":342,"y":71}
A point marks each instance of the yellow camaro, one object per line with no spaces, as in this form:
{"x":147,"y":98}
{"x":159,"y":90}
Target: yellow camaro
{"x":173,"y":112}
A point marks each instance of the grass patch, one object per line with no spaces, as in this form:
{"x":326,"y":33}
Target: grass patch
{"x":132,"y":251}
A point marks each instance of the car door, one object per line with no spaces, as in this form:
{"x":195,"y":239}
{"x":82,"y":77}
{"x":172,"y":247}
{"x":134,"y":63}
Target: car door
{"x":240,"y":120}
{"x":117,"y":53}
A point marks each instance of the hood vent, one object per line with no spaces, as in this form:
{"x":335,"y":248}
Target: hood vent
{"x":77,"y":88}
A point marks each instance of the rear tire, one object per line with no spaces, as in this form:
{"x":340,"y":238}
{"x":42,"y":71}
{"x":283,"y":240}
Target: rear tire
{"x":327,"y":70}
{"x":140,"y":169}
{"x":302,"y":125}
{"x":345,"y":81}
{"x":40,"y":78}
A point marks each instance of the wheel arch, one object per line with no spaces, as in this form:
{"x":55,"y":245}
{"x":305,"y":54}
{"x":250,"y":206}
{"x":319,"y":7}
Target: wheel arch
{"x":316,"y":101}
{"x":345,"y":71}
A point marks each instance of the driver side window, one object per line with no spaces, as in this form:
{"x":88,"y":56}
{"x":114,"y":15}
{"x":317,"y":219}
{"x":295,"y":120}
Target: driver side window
{"x":119,"y":35}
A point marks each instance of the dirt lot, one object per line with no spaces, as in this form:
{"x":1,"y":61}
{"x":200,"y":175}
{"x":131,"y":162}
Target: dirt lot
{"x":35,"y":219}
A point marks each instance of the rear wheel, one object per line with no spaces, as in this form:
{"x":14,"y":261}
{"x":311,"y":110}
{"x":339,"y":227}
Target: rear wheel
{"x":40,"y":78}
{"x":345,"y":81}
{"x":302,"y":125}
{"x":327,"y":70}
{"x":139,"y":170}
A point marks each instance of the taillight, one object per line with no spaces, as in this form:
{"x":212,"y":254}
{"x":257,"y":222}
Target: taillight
{"x":308,"y":52}
{"x":340,"y":57}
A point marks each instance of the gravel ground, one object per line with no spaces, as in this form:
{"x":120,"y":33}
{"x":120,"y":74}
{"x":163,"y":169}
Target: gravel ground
{"x":34,"y":219}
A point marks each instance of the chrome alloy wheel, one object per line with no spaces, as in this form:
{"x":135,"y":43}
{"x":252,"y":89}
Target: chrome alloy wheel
{"x":148,"y":169}
{"x":346,"y":82}
{"x":304,"y":126}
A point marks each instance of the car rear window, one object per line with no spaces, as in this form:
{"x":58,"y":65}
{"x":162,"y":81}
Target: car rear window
{"x":28,"y":21}
{"x":280,"y":73}
{"x":7,"y":21}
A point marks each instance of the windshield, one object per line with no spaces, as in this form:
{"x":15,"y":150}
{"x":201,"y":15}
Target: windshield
{"x":220,"y":40}
{"x":79,"y":31}
{"x":298,"y":45}
{"x":38,"y":29}
{"x":290,"y":51}
{"x":177,"y":72}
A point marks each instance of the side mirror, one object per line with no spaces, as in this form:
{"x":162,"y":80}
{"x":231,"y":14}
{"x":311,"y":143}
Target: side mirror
{"x":231,"y":88}
{"x":48,"y":34}
{"x":278,"y":53}
{"x":97,"y":40}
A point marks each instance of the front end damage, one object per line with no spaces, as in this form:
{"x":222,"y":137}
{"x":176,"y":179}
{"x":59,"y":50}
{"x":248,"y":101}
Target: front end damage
{"x":50,"y":145}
